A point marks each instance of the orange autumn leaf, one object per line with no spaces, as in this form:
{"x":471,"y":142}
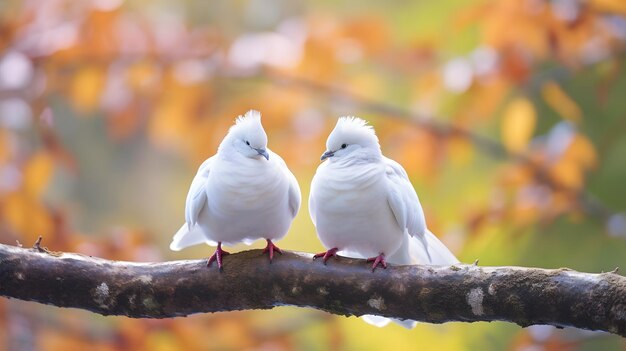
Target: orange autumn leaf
{"x":86,"y":87}
{"x":174,"y":113}
{"x":37,"y":173}
{"x":579,"y":157}
{"x":567,"y":173}
{"x":487,"y":98}
{"x":583,"y":152}
{"x":564,"y":105}
{"x":518,"y":124}
{"x":418,"y":151}
{"x":515,"y":23}
{"x":516,"y":175}
{"x":5,"y":146}
{"x":26,"y":217}
{"x":610,"y":5}
{"x":568,"y":41}
{"x":98,"y":35}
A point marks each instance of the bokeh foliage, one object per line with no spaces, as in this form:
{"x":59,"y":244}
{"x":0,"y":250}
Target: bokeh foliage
{"x":508,"y":115}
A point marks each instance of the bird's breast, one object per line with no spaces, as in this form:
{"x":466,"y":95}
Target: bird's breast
{"x":247,"y":188}
{"x":351,"y":210}
{"x":350,"y":191}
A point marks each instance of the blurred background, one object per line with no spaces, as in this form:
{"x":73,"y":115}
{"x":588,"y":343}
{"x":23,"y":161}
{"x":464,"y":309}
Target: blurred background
{"x":508,"y":115}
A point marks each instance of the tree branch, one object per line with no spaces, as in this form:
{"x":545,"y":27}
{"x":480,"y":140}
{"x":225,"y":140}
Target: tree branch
{"x":469,"y":293}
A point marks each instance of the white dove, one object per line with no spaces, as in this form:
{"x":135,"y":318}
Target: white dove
{"x":243,"y":193}
{"x":364,"y":206}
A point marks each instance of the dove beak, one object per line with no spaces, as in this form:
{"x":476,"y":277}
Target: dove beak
{"x":263,"y":153}
{"x":327,"y":154}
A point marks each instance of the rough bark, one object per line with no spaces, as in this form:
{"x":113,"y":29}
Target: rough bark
{"x":468,"y":293}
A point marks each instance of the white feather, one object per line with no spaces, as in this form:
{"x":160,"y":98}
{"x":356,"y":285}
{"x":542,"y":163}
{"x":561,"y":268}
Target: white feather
{"x":196,"y":198}
{"x":185,"y":237}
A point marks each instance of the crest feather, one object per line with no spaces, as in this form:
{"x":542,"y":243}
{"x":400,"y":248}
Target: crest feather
{"x":247,"y":128}
{"x":356,"y":125}
{"x":250,"y":117}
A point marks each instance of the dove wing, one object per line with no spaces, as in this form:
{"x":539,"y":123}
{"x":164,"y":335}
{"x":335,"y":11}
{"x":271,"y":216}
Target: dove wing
{"x":403,"y":200}
{"x":312,"y":207}
{"x":189,"y":234}
{"x":408,"y":211}
{"x":197,"y":198}
{"x":295,"y":198}
{"x":312,"y":191}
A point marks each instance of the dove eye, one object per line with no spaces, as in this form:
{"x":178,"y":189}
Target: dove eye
{"x":343,"y":146}
{"x":247,"y":143}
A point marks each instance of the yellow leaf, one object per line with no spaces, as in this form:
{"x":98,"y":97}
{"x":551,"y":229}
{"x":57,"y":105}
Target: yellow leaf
{"x":86,"y":88}
{"x":162,"y":341}
{"x":15,"y":208}
{"x":518,"y":124}
{"x":556,"y":98}
{"x":26,"y":217}
{"x":460,"y":151}
{"x":37,"y":173}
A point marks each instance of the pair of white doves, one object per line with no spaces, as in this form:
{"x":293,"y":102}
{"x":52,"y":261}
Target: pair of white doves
{"x":361,"y":203}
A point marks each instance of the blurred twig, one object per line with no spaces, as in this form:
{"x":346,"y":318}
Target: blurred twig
{"x":434,"y":294}
{"x":589,"y":203}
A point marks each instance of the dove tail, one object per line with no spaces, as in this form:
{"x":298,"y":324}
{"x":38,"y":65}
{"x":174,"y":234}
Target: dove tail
{"x":185,"y":237}
{"x":380,"y":322}
{"x":423,"y":249}
{"x":428,"y":249}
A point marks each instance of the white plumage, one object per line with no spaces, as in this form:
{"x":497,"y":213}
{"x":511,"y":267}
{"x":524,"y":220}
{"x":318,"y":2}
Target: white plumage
{"x":364,"y":206}
{"x":243,"y":193}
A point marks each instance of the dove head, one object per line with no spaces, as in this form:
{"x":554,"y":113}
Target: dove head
{"x":247,"y":136}
{"x":352,"y":138}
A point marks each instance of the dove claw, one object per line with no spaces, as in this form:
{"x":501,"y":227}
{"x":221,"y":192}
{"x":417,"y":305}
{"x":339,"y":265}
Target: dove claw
{"x":217,"y":256}
{"x":378,"y":260}
{"x":271,"y":248}
{"x":326,"y":254}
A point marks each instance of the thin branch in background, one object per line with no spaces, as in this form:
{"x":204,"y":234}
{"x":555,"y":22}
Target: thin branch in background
{"x":589,"y":203}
